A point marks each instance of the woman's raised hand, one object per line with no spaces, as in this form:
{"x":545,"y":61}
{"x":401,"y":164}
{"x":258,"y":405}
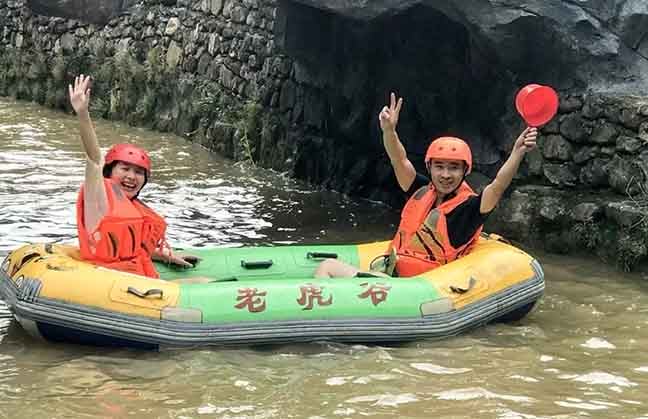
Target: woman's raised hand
{"x":80,"y":94}
{"x":388,"y":116}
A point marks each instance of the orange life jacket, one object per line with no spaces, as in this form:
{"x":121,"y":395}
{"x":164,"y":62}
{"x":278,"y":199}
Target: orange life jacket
{"x":422,"y":242}
{"x":126,"y":236}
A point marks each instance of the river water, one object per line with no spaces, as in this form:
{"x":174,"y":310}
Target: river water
{"x":580,"y":353}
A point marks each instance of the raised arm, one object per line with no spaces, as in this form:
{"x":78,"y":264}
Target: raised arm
{"x":80,"y":100}
{"x":95,"y":203}
{"x":494,"y":191}
{"x":403,"y":168}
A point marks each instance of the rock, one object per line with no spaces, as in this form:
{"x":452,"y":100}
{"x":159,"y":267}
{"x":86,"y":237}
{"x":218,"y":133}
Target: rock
{"x":612,"y":109}
{"x":604,"y":133}
{"x":534,"y":162}
{"x":643,"y":110}
{"x":631,"y":117}
{"x":97,"y":45}
{"x":553,"y":127}
{"x":575,"y":128}
{"x":586,"y":212}
{"x":625,"y":214}
{"x":558,"y":242}
{"x":570,"y":104}
{"x":608,"y":151}
{"x":227,"y":78}
{"x":593,"y":107}
{"x":629,"y":144}
{"x":239,"y":14}
{"x":557,"y":148}
{"x":551,"y":208}
{"x":203,"y":63}
{"x":594,"y":173}
{"x":212,"y":6}
{"x":559,"y":174}
{"x":630,"y":24}
{"x":477,"y":181}
{"x":624,"y":176}
{"x":174,"y":55}
{"x":252,"y":19}
{"x":211,"y":47}
{"x":643,"y":131}
{"x":580,"y":37}
{"x":123,"y":46}
{"x":91,"y":11}
{"x":585,"y":153}
{"x":172,"y":26}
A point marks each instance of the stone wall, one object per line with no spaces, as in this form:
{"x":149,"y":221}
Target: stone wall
{"x":286,"y":87}
{"x":200,"y":68}
{"x":586,"y":183}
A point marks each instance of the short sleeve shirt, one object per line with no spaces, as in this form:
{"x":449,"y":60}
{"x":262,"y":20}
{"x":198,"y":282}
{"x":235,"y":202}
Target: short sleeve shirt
{"x":463,"y":221}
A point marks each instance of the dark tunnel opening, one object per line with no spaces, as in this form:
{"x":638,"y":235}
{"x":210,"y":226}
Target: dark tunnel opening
{"x":344,"y":71}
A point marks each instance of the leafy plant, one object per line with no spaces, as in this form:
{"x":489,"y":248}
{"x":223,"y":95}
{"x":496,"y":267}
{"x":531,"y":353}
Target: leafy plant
{"x":639,"y":201}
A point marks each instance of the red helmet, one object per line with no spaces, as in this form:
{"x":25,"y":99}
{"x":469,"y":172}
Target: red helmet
{"x":449,"y":148}
{"x":129,"y":153}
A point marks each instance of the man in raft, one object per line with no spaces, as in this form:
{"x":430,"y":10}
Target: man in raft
{"x":443,"y":217}
{"x":116,"y":230}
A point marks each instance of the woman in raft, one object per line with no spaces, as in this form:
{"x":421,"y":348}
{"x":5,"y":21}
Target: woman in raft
{"x":443,"y":218}
{"x":116,"y":230}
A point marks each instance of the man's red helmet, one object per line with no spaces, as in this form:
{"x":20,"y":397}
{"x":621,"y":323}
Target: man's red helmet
{"x":449,"y":148}
{"x":129,"y":153}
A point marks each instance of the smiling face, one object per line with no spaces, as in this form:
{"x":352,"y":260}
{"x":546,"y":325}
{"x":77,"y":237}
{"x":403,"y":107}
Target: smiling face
{"x":446,"y":175}
{"x":130,"y":177}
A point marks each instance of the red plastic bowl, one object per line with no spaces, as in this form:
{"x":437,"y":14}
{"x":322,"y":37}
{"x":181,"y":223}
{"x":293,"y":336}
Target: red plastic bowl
{"x":536,"y":104}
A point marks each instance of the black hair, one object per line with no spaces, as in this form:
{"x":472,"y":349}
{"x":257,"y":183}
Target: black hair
{"x":108,"y":167}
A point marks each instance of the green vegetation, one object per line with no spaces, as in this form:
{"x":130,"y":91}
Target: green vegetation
{"x":639,"y":202}
{"x":215,"y":105}
{"x":249,"y":129}
{"x":588,"y":234}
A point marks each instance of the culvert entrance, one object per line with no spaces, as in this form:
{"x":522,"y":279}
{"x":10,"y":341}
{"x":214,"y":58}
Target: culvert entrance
{"x":343,"y":72}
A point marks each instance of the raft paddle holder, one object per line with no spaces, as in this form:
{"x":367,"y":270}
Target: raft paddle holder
{"x":321,"y":255}
{"x":260,"y":264}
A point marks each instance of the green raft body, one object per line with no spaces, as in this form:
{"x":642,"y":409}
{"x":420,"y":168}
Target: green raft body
{"x":281,"y":272}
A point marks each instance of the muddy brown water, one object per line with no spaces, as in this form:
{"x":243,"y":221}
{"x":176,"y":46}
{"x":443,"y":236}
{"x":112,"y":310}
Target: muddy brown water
{"x":580,"y":353}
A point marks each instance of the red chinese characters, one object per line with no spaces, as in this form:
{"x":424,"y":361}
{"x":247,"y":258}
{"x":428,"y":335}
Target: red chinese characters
{"x":252,"y":299}
{"x":377,"y":292}
{"x":310,"y":295}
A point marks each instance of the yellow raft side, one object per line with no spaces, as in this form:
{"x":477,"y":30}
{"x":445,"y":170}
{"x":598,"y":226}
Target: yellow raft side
{"x":65,"y":278}
{"x":492,"y":265}
{"x":369,"y":251}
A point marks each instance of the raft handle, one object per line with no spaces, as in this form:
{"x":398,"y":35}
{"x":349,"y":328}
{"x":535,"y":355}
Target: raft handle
{"x":260,"y":264}
{"x":459,"y":290}
{"x":321,"y":255}
{"x":150,"y":293}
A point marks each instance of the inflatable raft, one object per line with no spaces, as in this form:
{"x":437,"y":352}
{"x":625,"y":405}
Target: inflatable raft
{"x":263,"y":295}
